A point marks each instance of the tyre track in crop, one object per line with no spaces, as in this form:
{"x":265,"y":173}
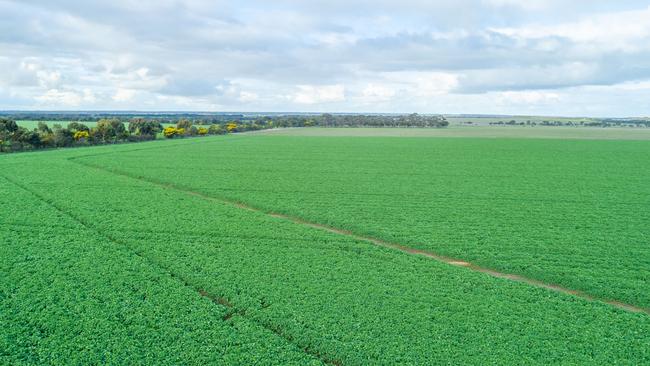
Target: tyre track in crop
{"x":233,"y":310}
{"x":378,"y":242}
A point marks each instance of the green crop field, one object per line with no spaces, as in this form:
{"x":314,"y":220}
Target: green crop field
{"x":266,"y":249}
{"x":30,"y":124}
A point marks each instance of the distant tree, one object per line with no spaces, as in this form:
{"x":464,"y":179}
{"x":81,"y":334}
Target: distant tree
{"x":24,"y":139}
{"x":8,"y":128}
{"x":104,"y":131}
{"x":184,"y":124}
{"x":47,"y":139}
{"x":76,"y":126}
{"x":62,"y":136}
{"x":216,"y":130}
{"x":121,"y":133}
{"x":43,"y":128}
{"x":8,"y":125}
{"x":328,"y":120}
{"x":110,"y":130}
{"x":145,"y":128}
{"x":134,"y":123}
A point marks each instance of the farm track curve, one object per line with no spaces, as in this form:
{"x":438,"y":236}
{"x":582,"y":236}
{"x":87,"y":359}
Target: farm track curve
{"x":386,"y":244}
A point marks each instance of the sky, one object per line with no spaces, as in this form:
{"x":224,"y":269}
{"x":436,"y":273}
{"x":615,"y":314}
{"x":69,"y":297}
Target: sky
{"x":542,"y":57}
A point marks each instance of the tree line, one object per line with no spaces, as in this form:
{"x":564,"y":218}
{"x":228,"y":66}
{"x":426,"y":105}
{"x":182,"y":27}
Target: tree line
{"x":356,"y":120}
{"x":162,"y":117}
{"x":589,"y":123}
{"x":278,"y":120}
{"x":14,"y":137}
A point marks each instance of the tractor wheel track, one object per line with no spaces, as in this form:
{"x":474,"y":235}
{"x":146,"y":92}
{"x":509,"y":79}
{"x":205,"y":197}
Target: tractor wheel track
{"x":379,"y":242}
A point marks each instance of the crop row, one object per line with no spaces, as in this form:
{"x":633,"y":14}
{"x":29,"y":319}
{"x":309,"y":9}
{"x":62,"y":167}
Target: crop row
{"x":567,"y":212}
{"x":70,"y":296}
{"x":340,"y":298}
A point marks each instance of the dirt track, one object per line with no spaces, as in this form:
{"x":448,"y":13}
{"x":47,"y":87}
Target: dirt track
{"x":448,"y":260}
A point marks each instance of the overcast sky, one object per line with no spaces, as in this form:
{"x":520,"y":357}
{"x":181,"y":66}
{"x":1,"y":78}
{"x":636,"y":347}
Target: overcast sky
{"x":548,"y":57}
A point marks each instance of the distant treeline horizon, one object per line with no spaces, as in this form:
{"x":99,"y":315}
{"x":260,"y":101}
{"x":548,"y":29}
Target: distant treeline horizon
{"x":99,"y":114}
{"x":14,"y":137}
{"x":220,"y":117}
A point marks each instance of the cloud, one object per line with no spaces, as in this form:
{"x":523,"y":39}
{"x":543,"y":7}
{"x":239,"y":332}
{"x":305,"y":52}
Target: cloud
{"x":377,"y":93}
{"x":527,"y":97}
{"x":191,"y":86}
{"x":529,"y":5}
{"x":124,"y":95}
{"x":66,"y":98}
{"x":247,"y":97}
{"x":412,"y":55}
{"x":312,"y":94}
{"x":618,"y":30}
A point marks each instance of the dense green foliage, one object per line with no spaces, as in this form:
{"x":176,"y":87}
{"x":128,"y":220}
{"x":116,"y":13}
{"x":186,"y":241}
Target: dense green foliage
{"x":572,"y":213}
{"x":249,"y":121}
{"x":356,"y":120}
{"x":588,"y":123}
{"x":16,"y":137}
{"x":114,"y":130}
{"x":89,"y":116}
{"x":105,"y":267}
{"x":69,"y":295}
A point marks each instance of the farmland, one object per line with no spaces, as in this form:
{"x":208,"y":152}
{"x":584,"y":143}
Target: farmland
{"x":31,"y":124}
{"x":209,"y":250}
{"x":538,"y":132}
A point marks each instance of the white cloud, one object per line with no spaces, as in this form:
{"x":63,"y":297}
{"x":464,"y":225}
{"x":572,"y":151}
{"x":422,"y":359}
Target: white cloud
{"x":55,"y":97}
{"x":376,"y":92}
{"x":89,"y":96}
{"x":523,"y":4}
{"x":48,"y":79}
{"x":413,"y":55}
{"x":312,"y":94}
{"x":246,"y":97}
{"x":632,"y":86}
{"x":526,"y":97}
{"x":532,"y":77}
{"x":616,"y":30}
{"x":423,"y":84}
{"x":123,"y":95}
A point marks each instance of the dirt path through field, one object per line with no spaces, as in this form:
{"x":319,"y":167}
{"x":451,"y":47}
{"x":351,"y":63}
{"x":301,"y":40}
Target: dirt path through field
{"x":461,"y":263}
{"x":448,"y":260}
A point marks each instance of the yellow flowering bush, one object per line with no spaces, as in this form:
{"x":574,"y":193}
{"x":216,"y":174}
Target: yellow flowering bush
{"x":171,"y":132}
{"x":231,"y":127}
{"x":81,"y":135}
